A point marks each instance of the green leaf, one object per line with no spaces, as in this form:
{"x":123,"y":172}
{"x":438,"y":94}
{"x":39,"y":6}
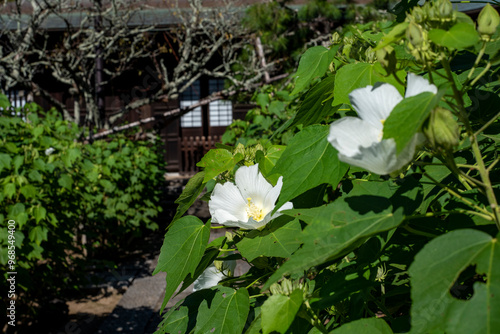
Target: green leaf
{"x":227,"y":314}
{"x":217,"y":161}
{"x":5,"y":161}
{"x":308,"y":161}
{"x":435,"y":270}
{"x":18,"y":161}
{"x":28,"y":191}
{"x":315,"y":107}
{"x":40,"y":213}
{"x":193,"y":189}
{"x":408,"y":116}
{"x":364,"y":326}
{"x":9,"y":190}
{"x":278,"y":311}
{"x":65,"y":181}
{"x":34,"y":175}
{"x":268,"y":161}
{"x":460,"y":36}
{"x":313,"y":63}
{"x":359,"y":75}
{"x":4,"y":102}
{"x":38,"y":234}
{"x":279,"y":239}
{"x":182,"y":250}
{"x":339,"y":227}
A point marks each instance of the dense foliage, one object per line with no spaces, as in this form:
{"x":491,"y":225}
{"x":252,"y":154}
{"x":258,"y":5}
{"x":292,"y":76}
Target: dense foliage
{"x":414,"y":251}
{"x":69,"y":200}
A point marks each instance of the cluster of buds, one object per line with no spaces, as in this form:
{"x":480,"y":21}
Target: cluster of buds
{"x":248,"y":153}
{"x":287,"y":286}
{"x":418,"y":43}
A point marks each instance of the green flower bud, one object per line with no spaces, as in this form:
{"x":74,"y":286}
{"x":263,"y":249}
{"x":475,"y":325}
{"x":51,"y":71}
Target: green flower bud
{"x":442,"y":129}
{"x":387,"y":58}
{"x":488,"y":21}
{"x":444,"y":8}
{"x":240,"y":148}
{"x":418,"y":14}
{"x":415,"y":34}
{"x":336,"y":39}
{"x":370,"y":55}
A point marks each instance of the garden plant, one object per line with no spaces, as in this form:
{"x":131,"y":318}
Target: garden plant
{"x":71,"y":202}
{"x":377,"y":214}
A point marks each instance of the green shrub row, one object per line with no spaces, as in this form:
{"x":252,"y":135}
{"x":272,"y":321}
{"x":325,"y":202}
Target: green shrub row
{"x":70,"y":200}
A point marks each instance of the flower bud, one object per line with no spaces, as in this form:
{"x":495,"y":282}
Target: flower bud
{"x":387,"y":58}
{"x":418,"y":14}
{"x":488,"y":21}
{"x":414,"y":34}
{"x":444,"y":8}
{"x":336,"y":39}
{"x":442,"y":129}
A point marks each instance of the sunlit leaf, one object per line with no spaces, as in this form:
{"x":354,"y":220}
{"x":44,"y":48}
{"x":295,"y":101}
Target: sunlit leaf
{"x":434,"y":272}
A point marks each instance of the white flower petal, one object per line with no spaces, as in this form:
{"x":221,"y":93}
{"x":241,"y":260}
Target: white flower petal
{"x":381,"y":158}
{"x":272,"y":196}
{"x":227,"y":204}
{"x":349,"y":134}
{"x":209,"y":277}
{"x":252,"y":184}
{"x":375,"y":104}
{"x":417,"y":84}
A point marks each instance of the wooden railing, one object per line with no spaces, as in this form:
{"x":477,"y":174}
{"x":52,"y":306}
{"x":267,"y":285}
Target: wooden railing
{"x":193,"y":149}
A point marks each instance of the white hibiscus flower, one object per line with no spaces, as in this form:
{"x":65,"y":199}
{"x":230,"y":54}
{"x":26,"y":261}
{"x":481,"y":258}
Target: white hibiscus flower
{"x":359,"y":140}
{"x":248,"y":203}
{"x":212,"y":275}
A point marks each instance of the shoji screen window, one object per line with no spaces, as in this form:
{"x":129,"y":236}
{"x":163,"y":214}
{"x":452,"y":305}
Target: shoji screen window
{"x":221,"y":112}
{"x":190,"y":96}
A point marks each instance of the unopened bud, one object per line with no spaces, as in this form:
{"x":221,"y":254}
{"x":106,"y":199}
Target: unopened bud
{"x":414,"y":34}
{"x":240,"y":148}
{"x":387,"y":58}
{"x":442,"y":129}
{"x":488,"y":21}
{"x":418,"y":14}
{"x":336,"y":39}
{"x":370,"y":55}
{"x":444,"y":8}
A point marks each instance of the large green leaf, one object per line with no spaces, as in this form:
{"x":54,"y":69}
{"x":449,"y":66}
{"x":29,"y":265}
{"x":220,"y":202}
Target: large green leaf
{"x":278,"y":240}
{"x":433,"y":274}
{"x":182,"y":317}
{"x":227,"y":313}
{"x":278,"y":311}
{"x":268,"y":160}
{"x":182,"y":250}
{"x":408,"y":116}
{"x":460,"y":36}
{"x":369,"y":209}
{"x":359,"y":75}
{"x":308,"y":161}
{"x":313,"y":63}
{"x":193,"y":189}
{"x":217,"y":161}
{"x":364,"y":326}
{"x":315,"y":106}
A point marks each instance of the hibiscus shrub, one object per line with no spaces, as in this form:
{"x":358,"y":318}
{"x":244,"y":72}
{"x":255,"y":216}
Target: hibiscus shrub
{"x":380,"y":214}
{"x":69,"y":200}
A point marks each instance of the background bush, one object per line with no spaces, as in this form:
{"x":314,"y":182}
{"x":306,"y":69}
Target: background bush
{"x":70,"y":200}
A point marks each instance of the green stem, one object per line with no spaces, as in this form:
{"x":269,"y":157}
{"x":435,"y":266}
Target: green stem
{"x":485,"y":177}
{"x":315,"y":320}
{"x":485,"y":126}
{"x":467,"y":83}
{"x":417,"y":232}
{"x":457,"y":195}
